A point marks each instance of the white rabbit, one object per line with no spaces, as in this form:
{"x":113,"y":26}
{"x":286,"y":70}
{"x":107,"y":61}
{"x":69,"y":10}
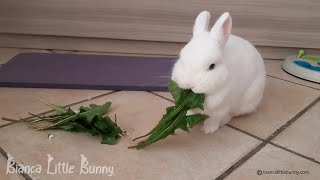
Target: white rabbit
{"x":227,"y":69}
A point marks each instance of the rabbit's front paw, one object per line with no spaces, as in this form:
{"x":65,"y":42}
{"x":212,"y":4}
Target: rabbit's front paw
{"x":209,"y":127}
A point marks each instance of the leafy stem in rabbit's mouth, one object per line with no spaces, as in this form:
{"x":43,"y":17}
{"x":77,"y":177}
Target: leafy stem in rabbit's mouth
{"x":176,"y":116}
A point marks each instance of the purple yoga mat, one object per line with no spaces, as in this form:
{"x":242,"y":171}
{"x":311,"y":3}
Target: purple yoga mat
{"x":72,"y":71}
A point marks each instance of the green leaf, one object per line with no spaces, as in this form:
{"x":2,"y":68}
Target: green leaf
{"x":166,"y":119}
{"x":184,"y":126}
{"x":104,"y":124}
{"x":83,"y":109}
{"x":93,"y":132}
{"x":69,"y":112}
{"x":196,"y":101}
{"x":162,"y":132}
{"x":175,"y":90}
{"x":95,"y":111}
{"x":195,"y":119}
{"x":108,"y":140}
{"x":93,"y":105}
{"x":169,"y":109}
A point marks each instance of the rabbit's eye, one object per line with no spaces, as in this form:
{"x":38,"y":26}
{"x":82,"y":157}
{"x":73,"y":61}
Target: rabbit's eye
{"x":211,"y":66}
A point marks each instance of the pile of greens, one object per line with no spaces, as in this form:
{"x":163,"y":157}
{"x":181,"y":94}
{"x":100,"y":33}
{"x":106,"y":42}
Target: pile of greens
{"x":91,"y":120}
{"x":88,"y":119}
{"x":176,"y":116}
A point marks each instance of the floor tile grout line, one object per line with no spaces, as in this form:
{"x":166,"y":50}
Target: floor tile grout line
{"x":245,"y":132}
{"x":160,"y":96}
{"x":68,"y":105}
{"x":274,"y":144}
{"x":267,"y":141}
{"x":293,"y":82}
{"x":4,"y":154}
{"x":105,"y":94}
{"x":242,"y":160}
{"x":292,"y":120}
{"x":294,"y":152}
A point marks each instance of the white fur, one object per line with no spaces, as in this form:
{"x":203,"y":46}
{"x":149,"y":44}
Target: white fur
{"x":235,"y":86}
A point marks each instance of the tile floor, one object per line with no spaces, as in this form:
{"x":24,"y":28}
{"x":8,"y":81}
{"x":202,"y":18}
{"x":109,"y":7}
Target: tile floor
{"x":281,"y":137}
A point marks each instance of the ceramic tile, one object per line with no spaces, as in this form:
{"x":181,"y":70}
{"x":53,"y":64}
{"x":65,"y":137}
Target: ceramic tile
{"x":303,"y":135}
{"x":274,"y":160}
{"x":282,"y":101}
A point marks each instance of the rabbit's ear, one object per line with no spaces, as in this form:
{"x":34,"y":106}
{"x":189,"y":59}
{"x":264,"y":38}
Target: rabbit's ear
{"x":202,"y":22}
{"x":222,"y":28}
